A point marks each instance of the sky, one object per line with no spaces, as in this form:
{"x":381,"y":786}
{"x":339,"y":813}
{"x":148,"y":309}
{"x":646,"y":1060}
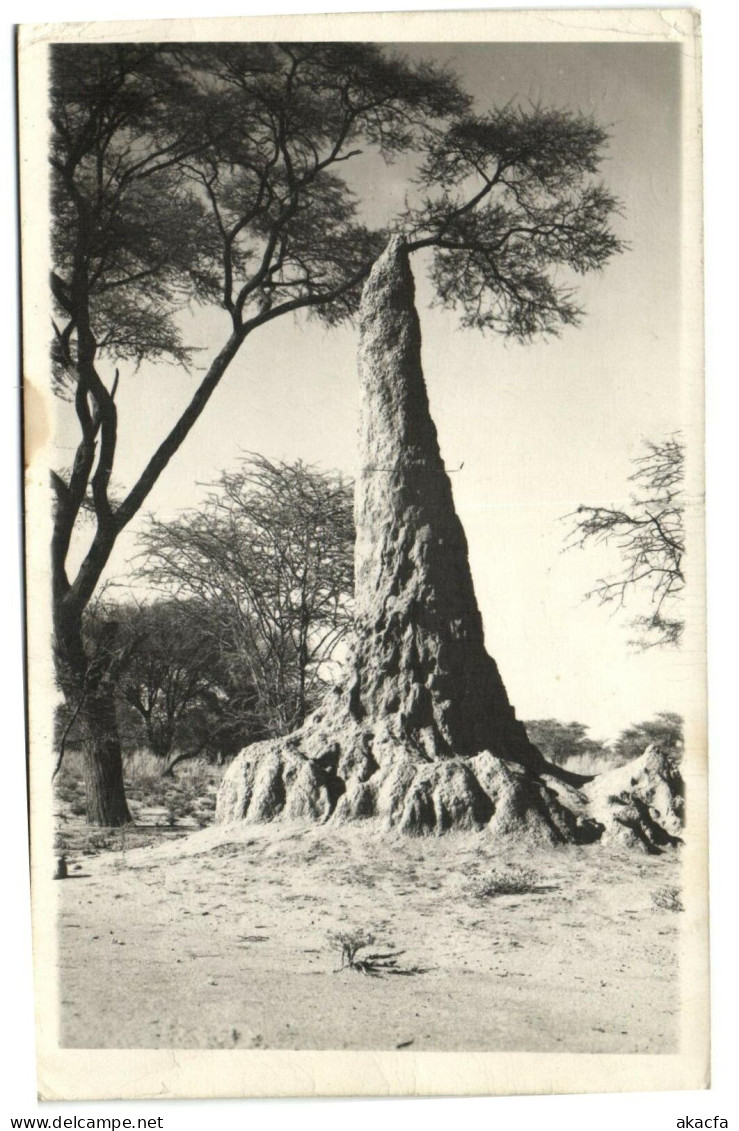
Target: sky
{"x":539,"y":428}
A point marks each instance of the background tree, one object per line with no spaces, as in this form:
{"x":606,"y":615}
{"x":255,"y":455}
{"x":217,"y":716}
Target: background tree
{"x":213,"y":173}
{"x":649,"y":535}
{"x":178,"y":694}
{"x":170,"y":674}
{"x":665,"y":729}
{"x":561,"y":742}
{"x":265,"y":569}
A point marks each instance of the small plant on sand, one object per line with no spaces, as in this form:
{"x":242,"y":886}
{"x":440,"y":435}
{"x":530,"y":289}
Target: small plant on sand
{"x":350,"y":942}
{"x":510,"y":880}
{"x":667,"y":899}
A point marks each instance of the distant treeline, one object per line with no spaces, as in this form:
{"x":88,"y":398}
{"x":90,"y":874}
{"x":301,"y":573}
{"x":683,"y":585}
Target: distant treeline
{"x":564,"y":743}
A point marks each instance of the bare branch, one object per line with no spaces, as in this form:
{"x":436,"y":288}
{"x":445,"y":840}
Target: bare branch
{"x":650,"y":539}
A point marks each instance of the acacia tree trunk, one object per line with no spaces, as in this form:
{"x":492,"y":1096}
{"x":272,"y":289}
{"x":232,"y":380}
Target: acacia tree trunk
{"x":104,"y":790}
{"x":89,"y":687}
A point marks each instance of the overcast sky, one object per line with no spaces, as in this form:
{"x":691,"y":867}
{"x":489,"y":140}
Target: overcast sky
{"x":540,"y":428}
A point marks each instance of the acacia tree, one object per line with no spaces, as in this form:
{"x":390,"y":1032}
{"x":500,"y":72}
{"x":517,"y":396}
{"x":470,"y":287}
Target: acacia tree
{"x":170,"y":674}
{"x":560,"y":742}
{"x":180,"y":691}
{"x":265,"y":566}
{"x":213,"y":173}
{"x":183,"y":692}
{"x":649,"y":535}
{"x":665,"y":730}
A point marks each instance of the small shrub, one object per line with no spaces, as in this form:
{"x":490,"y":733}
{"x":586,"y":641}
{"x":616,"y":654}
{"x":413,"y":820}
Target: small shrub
{"x":350,"y":942}
{"x":511,"y":880}
{"x":667,"y":899}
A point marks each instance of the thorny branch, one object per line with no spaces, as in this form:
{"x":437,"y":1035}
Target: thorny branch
{"x":649,"y":535}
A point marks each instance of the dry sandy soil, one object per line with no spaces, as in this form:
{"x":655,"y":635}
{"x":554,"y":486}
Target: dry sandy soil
{"x":221,"y":941}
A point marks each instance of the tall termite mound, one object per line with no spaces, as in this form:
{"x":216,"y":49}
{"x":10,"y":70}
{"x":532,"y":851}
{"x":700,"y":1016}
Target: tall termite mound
{"x":420,"y":661}
{"x":419,"y":732}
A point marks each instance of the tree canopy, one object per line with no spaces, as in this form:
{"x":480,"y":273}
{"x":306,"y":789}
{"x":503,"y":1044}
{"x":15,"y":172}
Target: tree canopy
{"x":265,"y":569}
{"x":171,"y":676}
{"x":509,"y":198}
{"x":561,"y":742}
{"x":213,"y":174}
{"x":665,"y":730}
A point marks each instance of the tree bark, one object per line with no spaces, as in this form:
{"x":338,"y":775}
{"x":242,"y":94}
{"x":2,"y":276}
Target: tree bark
{"x":88,"y":683}
{"x":104,"y":789}
{"x":84,"y":679}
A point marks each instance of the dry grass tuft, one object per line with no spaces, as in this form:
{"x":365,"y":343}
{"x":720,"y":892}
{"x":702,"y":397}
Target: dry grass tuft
{"x":507,"y":880}
{"x":667,"y":899}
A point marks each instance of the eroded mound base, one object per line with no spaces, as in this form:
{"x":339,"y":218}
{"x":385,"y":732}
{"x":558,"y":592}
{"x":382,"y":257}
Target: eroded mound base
{"x":335,"y":770}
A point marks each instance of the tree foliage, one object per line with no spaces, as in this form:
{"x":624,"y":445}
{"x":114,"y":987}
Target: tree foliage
{"x":561,"y":742}
{"x":170,"y":676}
{"x":265,"y":568}
{"x":129,"y":238}
{"x":179,"y":693}
{"x":650,"y":538}
{"x":510,"y":202}
{"x":665,"y":730}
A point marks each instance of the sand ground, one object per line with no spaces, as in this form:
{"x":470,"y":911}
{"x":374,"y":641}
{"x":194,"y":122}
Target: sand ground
{"x":220,"y":940}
